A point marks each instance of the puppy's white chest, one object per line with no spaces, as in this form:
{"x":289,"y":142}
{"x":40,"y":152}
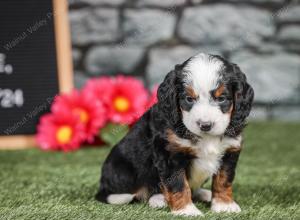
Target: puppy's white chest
{"x":209,"y":154}
{"x":209,"y":151}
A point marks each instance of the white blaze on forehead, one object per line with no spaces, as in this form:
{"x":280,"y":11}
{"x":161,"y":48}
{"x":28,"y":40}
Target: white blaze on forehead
{"x":203,"y":72}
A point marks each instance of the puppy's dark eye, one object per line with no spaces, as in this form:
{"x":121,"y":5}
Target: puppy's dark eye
{"x":189,"y":100}
{"x":221,"y":99}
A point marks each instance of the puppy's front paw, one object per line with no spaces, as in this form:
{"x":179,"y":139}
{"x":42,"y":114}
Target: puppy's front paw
{"x":218,"y":206}
{"x":189,"y":210}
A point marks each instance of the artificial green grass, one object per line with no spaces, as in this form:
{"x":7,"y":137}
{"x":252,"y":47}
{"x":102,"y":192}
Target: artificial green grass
{"x":48,"y":185}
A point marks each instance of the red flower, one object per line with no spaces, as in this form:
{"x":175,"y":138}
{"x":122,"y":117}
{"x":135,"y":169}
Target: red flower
{"x":100,"y":89}
{"x":153,"y":98}
{"x":128,"y":101}
{"x":90,"y":112}
{"x":60,"y":132}
{"x":124,"y":97}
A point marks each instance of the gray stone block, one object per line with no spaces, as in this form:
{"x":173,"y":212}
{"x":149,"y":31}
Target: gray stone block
{"x":275,"y":78}
{"x":161,"y":3}
{"x":230,"y":27}
{"x":285,"y":113}
{"x":258,"y":113}
{"x":94,"y":25}
{"x":196,"y":1}
{"x":294,"y":47}
{"x":148,"y":26}
{"x":113,"y":59}
{"x":80,"y":79}
{"x":270,"y":47}
{"x":260,"y":1}
{"x":289,"y":13}
{"x":97,"y":2}
{"x":76,"y":55}
{"x":210,"y":49}
{"x":289,"y":33}
{"x":163,"y":60}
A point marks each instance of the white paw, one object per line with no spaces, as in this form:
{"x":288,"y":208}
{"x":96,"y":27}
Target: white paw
{"x":157,"y":201}
{"x":189,"y":210}
{"x":218,"y":206}
{"x":203,"y":195}
{"x":119,"y":199}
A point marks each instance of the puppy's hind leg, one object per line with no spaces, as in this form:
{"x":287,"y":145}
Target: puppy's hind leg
{"x":118,"y":180}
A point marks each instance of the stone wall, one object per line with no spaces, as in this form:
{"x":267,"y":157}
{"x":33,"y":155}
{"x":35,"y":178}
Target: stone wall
{"x":146,"y":38}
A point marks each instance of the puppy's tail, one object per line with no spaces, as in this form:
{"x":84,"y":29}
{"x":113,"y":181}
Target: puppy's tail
{"x":115,"y":199}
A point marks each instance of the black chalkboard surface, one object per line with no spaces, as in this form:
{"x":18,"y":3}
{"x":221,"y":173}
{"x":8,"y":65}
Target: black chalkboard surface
{"x":31,"y":63}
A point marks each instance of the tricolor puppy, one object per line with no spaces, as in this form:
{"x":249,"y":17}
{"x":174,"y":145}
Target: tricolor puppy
{"x":191,"y":134}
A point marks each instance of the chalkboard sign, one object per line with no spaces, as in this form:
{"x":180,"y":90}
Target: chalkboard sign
{"x":35,"y":65}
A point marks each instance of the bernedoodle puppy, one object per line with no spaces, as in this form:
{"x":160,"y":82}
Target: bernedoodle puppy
{"x":193,"y":133}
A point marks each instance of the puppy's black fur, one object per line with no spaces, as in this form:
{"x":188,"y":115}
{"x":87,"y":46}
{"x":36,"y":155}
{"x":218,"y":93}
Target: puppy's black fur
{"x":143,"y":160}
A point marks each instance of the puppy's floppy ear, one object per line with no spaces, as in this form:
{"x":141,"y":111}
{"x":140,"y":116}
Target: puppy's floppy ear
{"x":167,"y":96}
{"x":243,"y":95}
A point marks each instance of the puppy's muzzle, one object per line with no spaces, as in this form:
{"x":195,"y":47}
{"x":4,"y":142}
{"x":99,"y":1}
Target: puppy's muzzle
{"x":205,"y":126}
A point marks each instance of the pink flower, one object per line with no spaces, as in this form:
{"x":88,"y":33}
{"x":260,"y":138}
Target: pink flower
{"x":61,"y":131}
{"x":125,"y":98}
{"x":90,"y":112}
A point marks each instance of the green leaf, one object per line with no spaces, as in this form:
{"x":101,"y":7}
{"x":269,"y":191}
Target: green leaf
{"x":113,"y":133}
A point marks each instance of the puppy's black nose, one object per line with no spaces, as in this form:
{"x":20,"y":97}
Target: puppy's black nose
{"x":205,"y":126}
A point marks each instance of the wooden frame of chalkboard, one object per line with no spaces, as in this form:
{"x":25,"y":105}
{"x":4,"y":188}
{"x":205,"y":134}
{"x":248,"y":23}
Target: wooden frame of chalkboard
{"x":64,"y":69}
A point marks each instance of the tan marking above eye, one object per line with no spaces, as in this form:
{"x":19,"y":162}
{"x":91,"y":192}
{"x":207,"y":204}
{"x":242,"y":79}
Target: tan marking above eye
{"x":219,"y":91}
{"x":191,"y":92}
